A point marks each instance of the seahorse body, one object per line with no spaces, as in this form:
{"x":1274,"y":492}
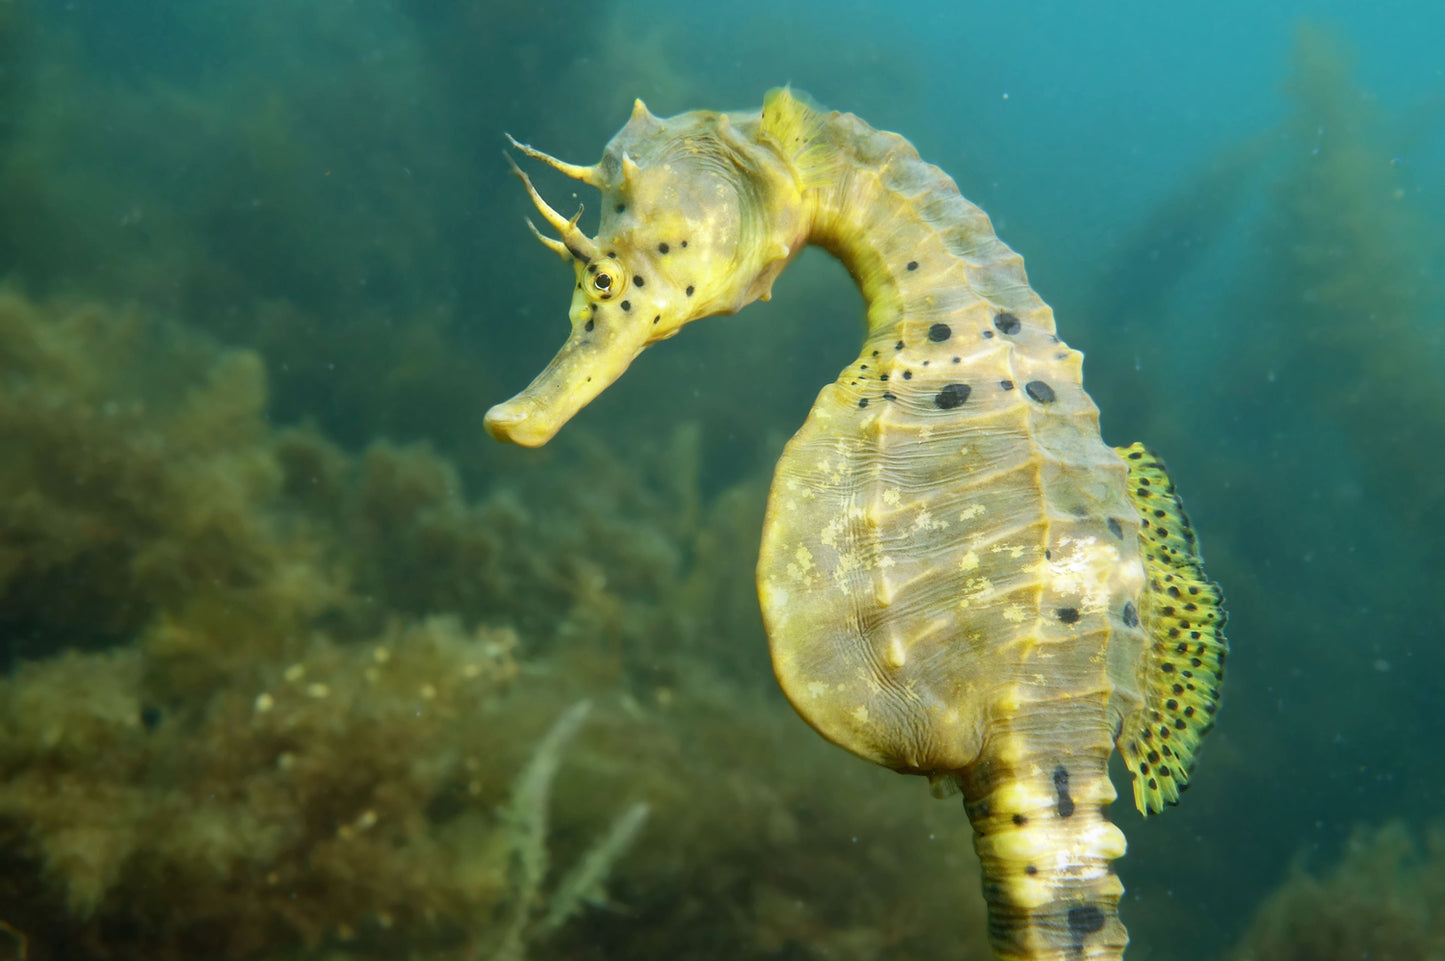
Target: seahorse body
{"x":958,"y":577}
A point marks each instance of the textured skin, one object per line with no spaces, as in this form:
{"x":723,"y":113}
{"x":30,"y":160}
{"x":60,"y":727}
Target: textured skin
{"x":951,"y":572}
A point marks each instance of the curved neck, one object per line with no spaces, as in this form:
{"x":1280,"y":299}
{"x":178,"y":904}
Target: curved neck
{"x":916,"y":248}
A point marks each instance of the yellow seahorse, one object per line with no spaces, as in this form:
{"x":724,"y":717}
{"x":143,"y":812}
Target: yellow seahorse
{"x":958,"y":578}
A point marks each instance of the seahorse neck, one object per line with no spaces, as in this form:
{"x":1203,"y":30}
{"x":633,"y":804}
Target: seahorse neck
{"x":916,"y":248}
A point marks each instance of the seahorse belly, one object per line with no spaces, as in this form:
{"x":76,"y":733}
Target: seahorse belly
{"x":943,"y":590}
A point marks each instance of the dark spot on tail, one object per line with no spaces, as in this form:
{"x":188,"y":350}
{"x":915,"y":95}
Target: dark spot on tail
{"x":1065,"y":803}
{"x":1068,"y":615}
{"x":1085,"y":919}
{"x":1007,"y":323}
{"x":938,"y":333}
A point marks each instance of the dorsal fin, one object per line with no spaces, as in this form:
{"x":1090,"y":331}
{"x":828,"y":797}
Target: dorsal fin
{"x":1181,"y":611}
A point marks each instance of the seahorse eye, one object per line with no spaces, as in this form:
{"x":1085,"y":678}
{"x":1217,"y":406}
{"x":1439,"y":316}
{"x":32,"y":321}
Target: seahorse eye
{"x":607,"y":278}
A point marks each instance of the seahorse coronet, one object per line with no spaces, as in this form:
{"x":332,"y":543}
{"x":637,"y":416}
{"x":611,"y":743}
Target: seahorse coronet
{"x":958,"y":578}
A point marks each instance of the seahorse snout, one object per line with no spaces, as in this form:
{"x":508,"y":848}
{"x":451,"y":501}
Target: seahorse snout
{"x":510,"y":422}
{"x":592,"y":359}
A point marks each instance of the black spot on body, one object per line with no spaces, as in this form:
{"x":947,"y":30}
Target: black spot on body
{"x":1007,"y":323}
{"x":1006,"y":384}
{"x":913,"y":265}
{"x":1069,"y":615}
{"x":1030,"y":869}
{"x":1115,"y":529}
{"x":863,"y":402}
{"x":627,"y":305}
{"x":908,"y":375}
{"x":1085,"y":919}
{"x":1039,"y":391}
{"x":663,"y":248}
{"x":1064,"y":803}
{"x":689,"y":290}
{"x":576,"y":254}
{"x":621,"y":208}
{"x":657,"y":318}
{"x":888,"y":396}
{"x":590,"y":324}
{"x":639,"y":281}
{"x":952,"y":395}
{"x":938,"y":333}
{"x":1020,"y":820}
{"x":1131,"y":614}
{"x":684,"y":243}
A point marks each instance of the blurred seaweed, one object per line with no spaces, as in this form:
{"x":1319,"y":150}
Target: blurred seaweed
{"x":268,"y":697}
{"x":1384,"y":900}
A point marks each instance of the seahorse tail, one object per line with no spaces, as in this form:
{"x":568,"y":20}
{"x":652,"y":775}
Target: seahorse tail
{"x":1045,"y":844}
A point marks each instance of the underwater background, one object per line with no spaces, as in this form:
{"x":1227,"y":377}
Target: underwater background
{"x":295,"y":662}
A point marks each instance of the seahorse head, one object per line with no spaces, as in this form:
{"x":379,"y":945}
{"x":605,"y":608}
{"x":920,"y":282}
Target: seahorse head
{"x":698,"y":218}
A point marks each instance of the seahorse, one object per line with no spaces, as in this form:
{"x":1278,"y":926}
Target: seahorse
{"x":958,"y":578}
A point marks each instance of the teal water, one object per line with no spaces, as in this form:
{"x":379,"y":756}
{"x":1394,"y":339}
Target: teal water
{"x":264,"y":269}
